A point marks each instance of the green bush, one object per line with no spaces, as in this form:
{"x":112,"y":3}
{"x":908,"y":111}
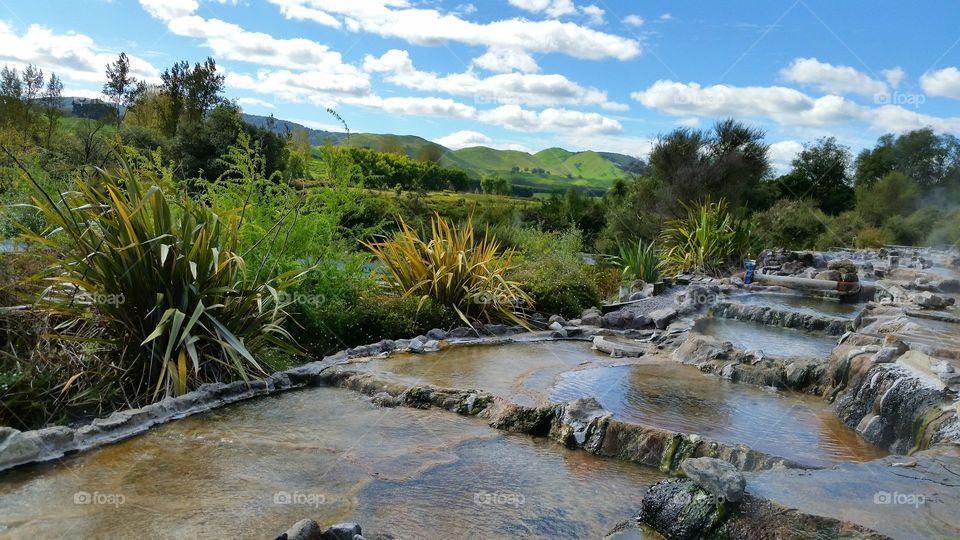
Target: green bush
{"x":912,"y":230}
{"x":163,"y":278}
{"x":707,"y":239}
{"x":639,"y":261}
{"x":841,"y":231}
{"x":551,"y":272}
{"x":871,"y":237}
{"x":893,"y":195}
{"x":790,"y":224}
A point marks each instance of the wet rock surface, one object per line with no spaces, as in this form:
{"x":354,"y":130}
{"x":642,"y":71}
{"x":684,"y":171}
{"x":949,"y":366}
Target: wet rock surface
{"x":719,"y":478}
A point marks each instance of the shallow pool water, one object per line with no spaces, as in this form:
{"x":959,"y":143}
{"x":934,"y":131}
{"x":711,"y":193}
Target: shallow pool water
{"x":253,"y":469}
{"x":680,"y":398}
{"x":772,"y":340}
{"x":655,"y":392}
{"x":523,"y":372}
{"x":804,"y":304}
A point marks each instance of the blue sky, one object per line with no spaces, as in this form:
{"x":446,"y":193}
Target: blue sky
{"x":530,"y":74}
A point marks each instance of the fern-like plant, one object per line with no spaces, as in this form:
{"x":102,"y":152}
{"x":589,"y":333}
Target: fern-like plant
{"x":638,"y":261}
{"x":162,"y":276}
{"x":705,"y":240}
{"x":454,"y":269}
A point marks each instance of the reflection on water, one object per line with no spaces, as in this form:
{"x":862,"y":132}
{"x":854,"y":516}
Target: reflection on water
{"x":657,"y":393}
{"x":803,"y":304}
{"x":523,"y":372}
{"x":254,"y":469}
{"x":680,"y":398}
{"x":773,"y":341}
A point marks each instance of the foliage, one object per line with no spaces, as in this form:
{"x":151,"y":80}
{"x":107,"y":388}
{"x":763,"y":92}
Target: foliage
{"x":639,"y":261}
{"x":841,"y":231}
{"x":914,"y":229}
{"x":790,"y":223}
{"x":870,"y":237}
{"x":893,"y":195}
{"x":162,"y":276}
{"x":551,"y":272}
{"x":706,"y":240}
{"x":821,"y":171}
{"x":454,"y":269}
{"x":929,"y":160}
{"x":725,"y":162}
{"x":387,"y":170}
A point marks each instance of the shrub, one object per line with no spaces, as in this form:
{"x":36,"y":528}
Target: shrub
{"x":454,"y":270}
{"x":707,"y":239}
{"x":163,"y":278}
{"x":870,"y":237}
{"x":791,"y":224}
{"x":912,"y":230}
{"x":639,"y":261}
{"x":841,"y":231}
{"x":893,"y":195}
{"x":551,"y":271}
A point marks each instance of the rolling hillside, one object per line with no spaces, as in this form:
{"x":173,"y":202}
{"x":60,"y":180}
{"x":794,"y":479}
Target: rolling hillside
{"x":549,"y":170}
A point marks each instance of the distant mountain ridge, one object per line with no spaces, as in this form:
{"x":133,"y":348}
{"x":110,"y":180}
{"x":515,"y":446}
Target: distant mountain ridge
{"x":549,"y":170}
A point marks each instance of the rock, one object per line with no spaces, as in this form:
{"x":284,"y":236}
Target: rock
{"x":305,"y":529}
{"x":591,"y":317}
{"x":431,"y":346}
{"x":416,"y":345}
{"x":928,"y":300}
{"x":639,"y":295}
{"x":842,"y":265}
{"x":341,"y":531}
{"x":718,"y":477}
{"x":438,"y":334}
{"x":580,"y":420}
{"x":556,"y":319}
{"x":462,"y":332}
{"x":829,"y":275}
{"x":663,"y":317}
{"x":555,"y":326}
{"x":383,"y":399}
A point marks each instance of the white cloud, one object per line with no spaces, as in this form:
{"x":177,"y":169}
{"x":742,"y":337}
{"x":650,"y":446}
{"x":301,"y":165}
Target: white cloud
{"x":169,"y":9}
{"x":944,"y":82}
{"x":782,"y":153}
{"x":318,"y":87}
{"x":785,"y":106}
{"x":254,"y":102}
{"x":418,"y":106}
{"x":894,"y":76}
{"x":397,"y":19}
{"x":508,"y":88}
{"x":633,"y":20}
{"x":832,"y":79}
{"x":506,"y":60}
{"x":464,"y":139}
{"x":666,"y":17}
{"x":561,"y":120}
{"x":594,"y":14}
{"x":691,"y":121}
{"x":74,"y":57}
{"x":553,"y":8}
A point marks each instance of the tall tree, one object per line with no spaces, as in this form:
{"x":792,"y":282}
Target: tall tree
{"x":121,"y":87}
{"x":174,"y":89}
{"x":821,"y":171}
{"x":203,"y":88}
{"x":52,"y":101}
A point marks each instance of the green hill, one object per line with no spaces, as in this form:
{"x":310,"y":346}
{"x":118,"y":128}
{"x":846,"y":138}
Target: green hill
{"x":549,"y":170}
